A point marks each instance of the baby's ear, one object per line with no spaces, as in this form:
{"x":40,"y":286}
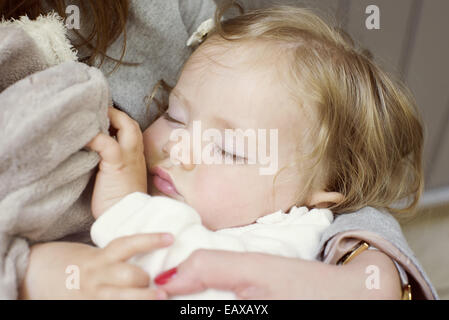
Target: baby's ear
{"x":324,"y":199}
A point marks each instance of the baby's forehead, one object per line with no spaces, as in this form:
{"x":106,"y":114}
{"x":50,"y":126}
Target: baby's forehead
{"x":235,"y":72}
{"x":242,"y":82}
{"x":243,"y":55}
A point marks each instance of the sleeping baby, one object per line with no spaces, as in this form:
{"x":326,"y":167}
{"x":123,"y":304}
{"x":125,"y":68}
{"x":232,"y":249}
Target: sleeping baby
{"x":338,"y":125}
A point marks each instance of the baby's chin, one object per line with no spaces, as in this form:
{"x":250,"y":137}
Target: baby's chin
{"x":153,"y":191}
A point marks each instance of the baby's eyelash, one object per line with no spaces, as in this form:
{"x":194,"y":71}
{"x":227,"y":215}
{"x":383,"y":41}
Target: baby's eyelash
{"x":168,"y":118}
{"x":225,"y":153}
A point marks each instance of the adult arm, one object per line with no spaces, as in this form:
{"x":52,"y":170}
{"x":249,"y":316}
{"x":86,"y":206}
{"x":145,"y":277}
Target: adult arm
{"x":381,"y":231}
{"x":261,"y":276}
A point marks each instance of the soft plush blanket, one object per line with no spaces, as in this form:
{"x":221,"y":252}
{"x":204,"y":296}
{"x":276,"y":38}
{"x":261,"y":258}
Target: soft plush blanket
{"x":48,"y":112}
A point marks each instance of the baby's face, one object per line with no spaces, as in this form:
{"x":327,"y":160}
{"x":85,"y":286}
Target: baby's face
{"x":229,"y":92}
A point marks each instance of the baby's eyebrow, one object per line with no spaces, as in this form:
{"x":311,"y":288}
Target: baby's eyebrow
{"x":181,"y":98}
{"x":224,"y":123}
{"x":218,"y":121}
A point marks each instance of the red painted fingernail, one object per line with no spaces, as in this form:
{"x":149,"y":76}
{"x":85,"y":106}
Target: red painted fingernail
{"x":165,"y":276}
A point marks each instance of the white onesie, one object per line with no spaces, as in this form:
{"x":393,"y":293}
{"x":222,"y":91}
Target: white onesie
{"x":294,"y":234}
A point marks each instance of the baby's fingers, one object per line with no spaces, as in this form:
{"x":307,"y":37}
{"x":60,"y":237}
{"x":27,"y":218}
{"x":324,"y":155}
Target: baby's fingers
{"x":113,"y":293}
{"x":129,"y":134}
{"x":107,"y":147}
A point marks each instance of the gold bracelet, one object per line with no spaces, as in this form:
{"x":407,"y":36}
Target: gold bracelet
{"x":407,"y":292}
{"x":358,"y":249}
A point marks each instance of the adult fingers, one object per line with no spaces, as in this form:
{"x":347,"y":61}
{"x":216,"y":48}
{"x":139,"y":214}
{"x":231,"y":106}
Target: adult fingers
{"x":114,"y":293}
{"x":107,"y":147}
{"x":125,"y":275}
{"x":223,"y":270}
{"x":129,"y":134}
{"x":123,"y":248}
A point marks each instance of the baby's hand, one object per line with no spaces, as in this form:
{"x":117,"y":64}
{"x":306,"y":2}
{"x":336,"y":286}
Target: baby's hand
{"x":122,"y":168}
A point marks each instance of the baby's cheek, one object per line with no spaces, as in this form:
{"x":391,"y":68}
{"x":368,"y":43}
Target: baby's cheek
{"x":225,"y":198}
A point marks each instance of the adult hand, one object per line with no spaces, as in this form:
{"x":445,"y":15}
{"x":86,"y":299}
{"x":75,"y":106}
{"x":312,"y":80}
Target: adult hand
{"x":262,"y":276}
{"x":248,"y":275}
{"x":102,"y":273}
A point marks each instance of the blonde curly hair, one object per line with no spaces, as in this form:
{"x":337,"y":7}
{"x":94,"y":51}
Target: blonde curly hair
{"x":369,"y":136}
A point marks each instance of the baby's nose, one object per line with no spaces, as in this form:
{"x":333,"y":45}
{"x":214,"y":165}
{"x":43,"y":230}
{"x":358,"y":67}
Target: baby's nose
{"x":179,"y":156}
{"x":188,"y":165}
{"x":167,"y":147}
